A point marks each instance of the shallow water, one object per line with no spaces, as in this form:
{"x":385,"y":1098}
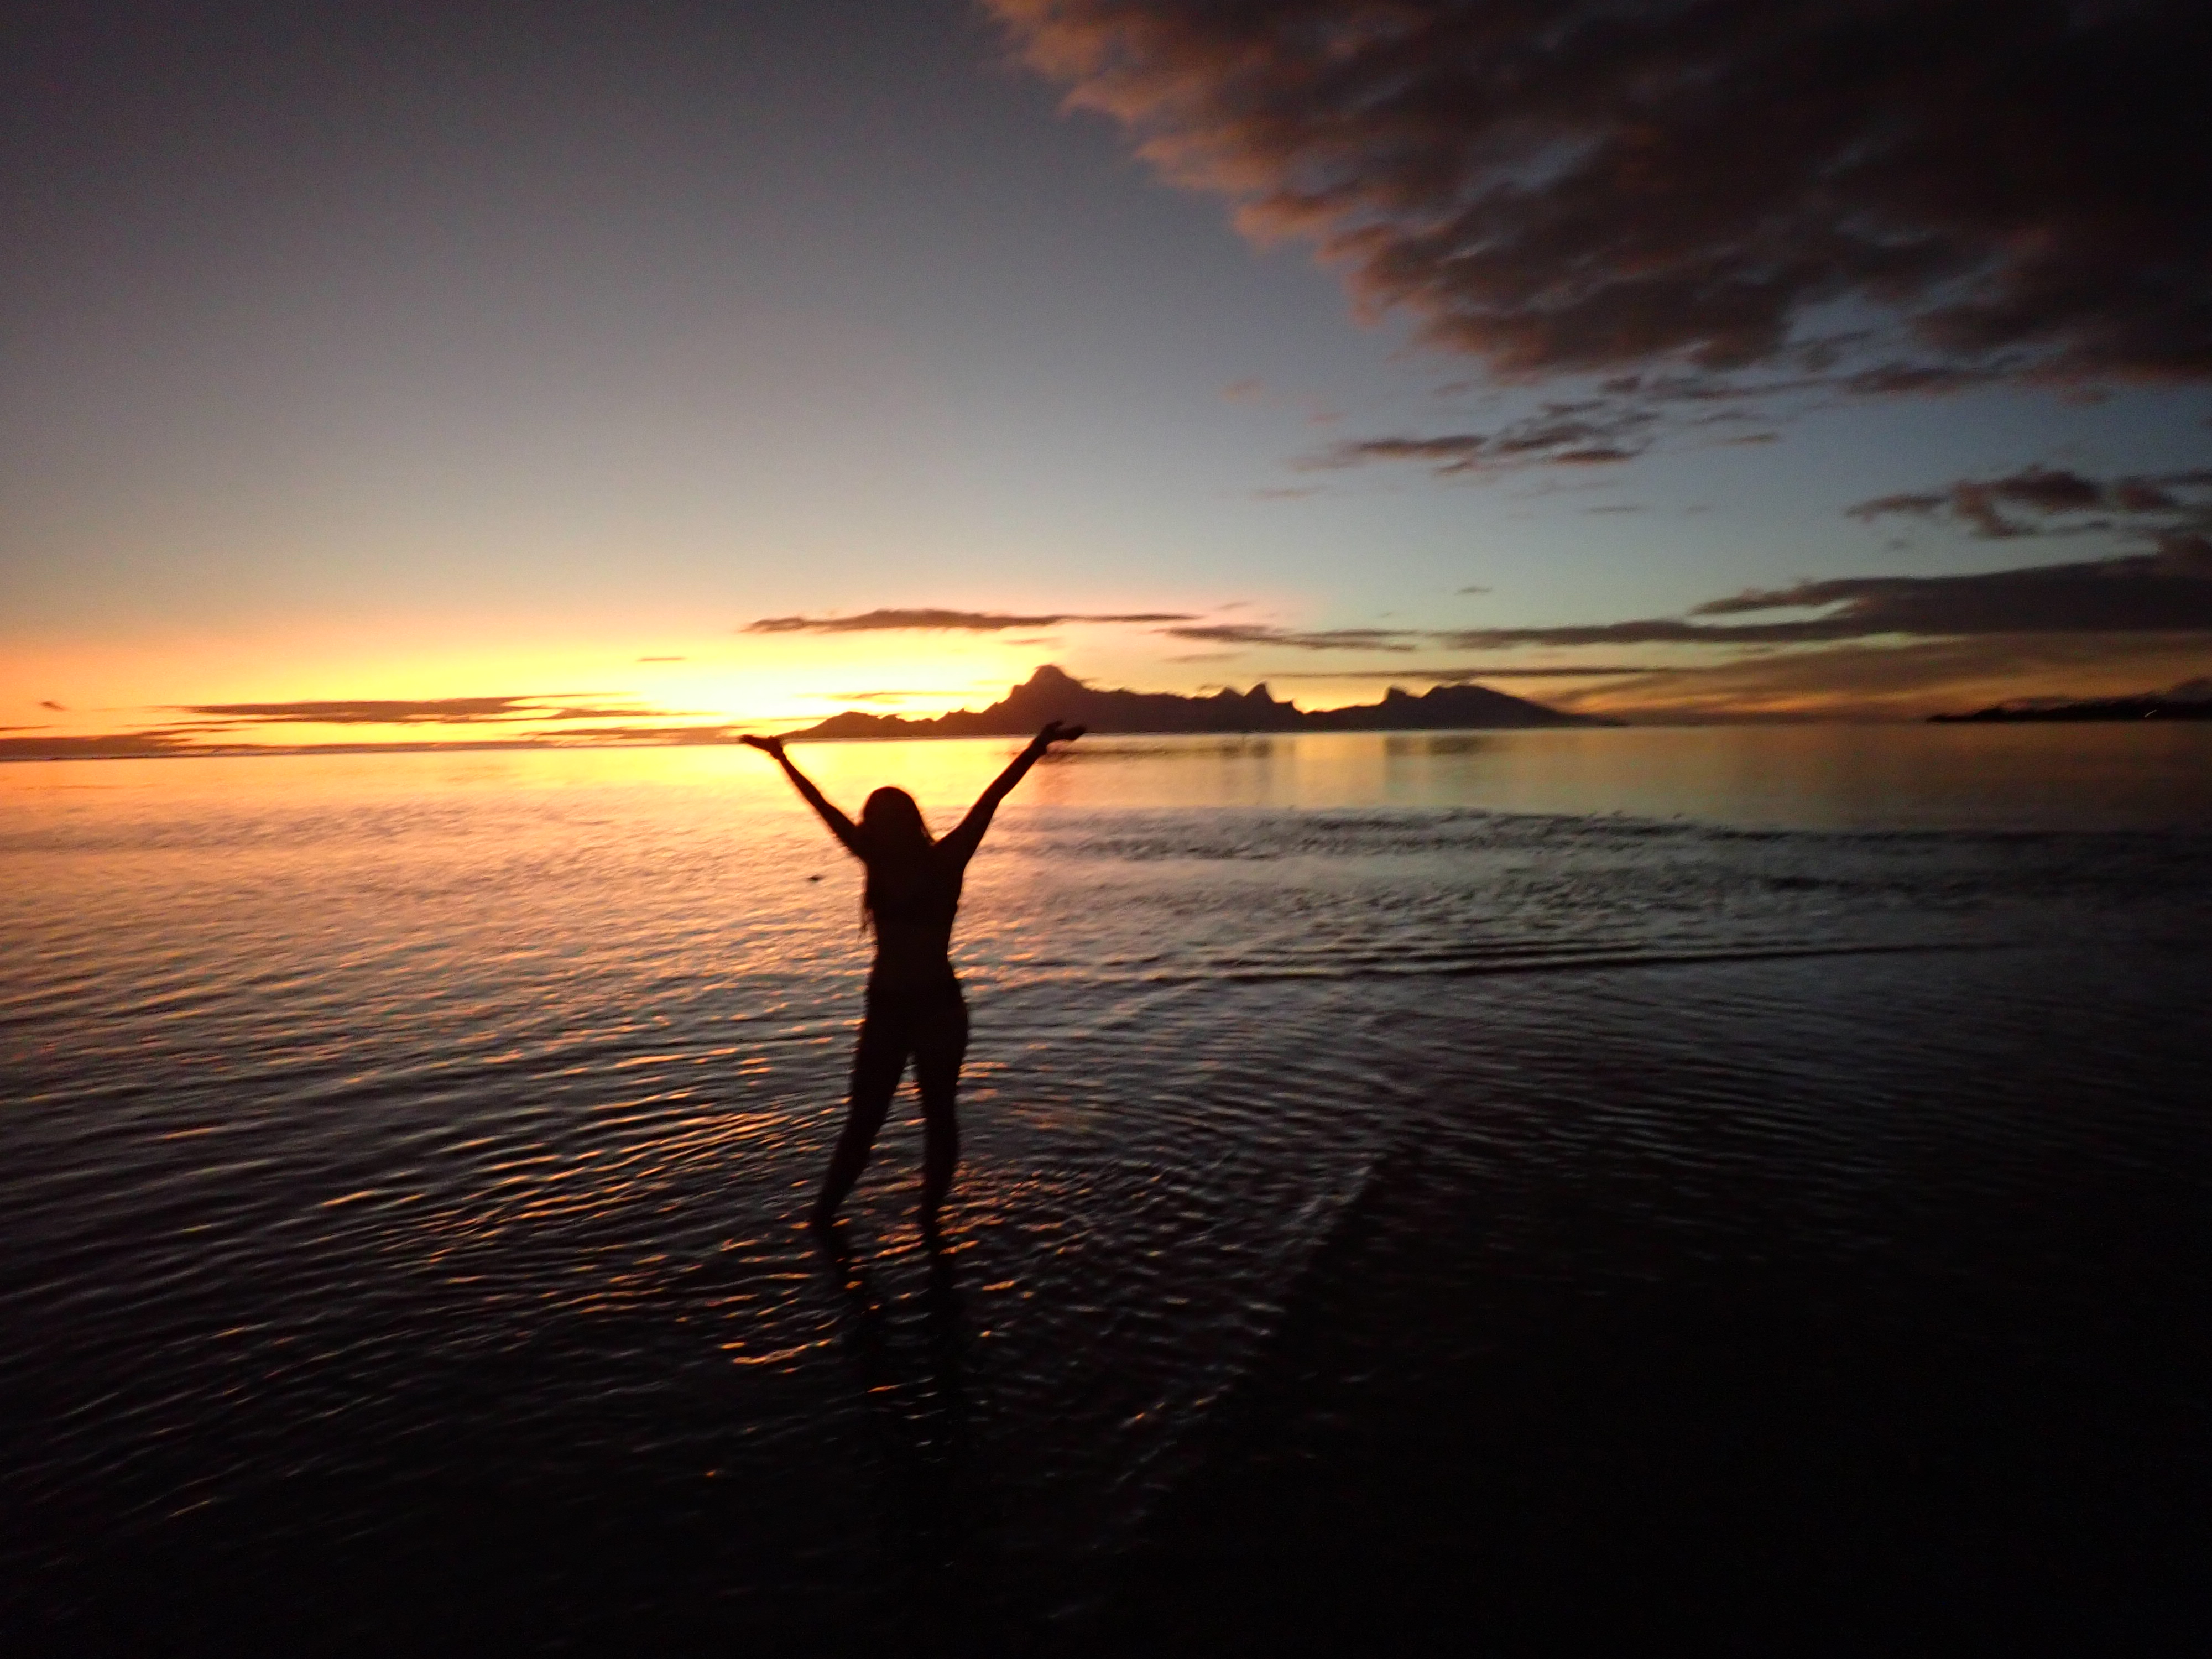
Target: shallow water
{"x":402,"y":1152}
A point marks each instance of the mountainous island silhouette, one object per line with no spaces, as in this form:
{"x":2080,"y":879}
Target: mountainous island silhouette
{"x":1053,"y":693}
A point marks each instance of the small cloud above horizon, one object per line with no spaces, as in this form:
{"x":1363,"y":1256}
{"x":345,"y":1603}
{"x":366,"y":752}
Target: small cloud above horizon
{"x":1249,"y":635}
{"x":931,"y":619}
{"x":408,"y":711}
{"x":1579,"y":434}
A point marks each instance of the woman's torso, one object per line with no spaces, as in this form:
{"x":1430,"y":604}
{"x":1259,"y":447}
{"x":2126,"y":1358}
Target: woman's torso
{"x":912,"y":905}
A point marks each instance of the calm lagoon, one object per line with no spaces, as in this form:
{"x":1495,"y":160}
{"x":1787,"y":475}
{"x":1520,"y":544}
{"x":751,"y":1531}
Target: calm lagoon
{"x":1749,"y":1179}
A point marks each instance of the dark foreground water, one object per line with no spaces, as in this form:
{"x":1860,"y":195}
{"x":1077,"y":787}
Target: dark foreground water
{"x":1421,"y":1194}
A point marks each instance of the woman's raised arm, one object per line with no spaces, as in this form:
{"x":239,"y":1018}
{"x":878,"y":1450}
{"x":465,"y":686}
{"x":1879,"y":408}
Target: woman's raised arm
{"x":839,"y":826}
{"x":964,"y":841}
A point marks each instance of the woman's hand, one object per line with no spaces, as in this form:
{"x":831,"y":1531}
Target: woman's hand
{"x":766,"y":746}
{"x":962,"y":841}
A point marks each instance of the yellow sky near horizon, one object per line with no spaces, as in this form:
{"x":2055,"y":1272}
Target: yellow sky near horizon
{"x":632,"y":678}
{"x":663,"y":677}
{"x":585,"y":689}
{"x":105,"y":686}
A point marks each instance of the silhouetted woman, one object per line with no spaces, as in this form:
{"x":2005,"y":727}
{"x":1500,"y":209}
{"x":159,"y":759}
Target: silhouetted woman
{"x":914,"y":1006}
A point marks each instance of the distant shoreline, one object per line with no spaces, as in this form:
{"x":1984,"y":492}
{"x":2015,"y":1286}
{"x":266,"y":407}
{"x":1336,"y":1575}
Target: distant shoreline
{"x":524,"y":745}
{"x":2110,"y":710}
{"x":1049,"y":694}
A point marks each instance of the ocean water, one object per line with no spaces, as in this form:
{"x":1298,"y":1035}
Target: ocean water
{"x":1375,"y":1147}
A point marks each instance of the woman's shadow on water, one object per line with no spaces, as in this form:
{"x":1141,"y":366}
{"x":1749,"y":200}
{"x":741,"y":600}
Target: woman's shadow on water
{"x":937,"y":1538}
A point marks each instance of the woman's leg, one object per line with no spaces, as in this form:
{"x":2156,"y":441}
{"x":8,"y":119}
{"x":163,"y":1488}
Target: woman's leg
{"x":877,"y":1059}
{"x":940,"y":1044}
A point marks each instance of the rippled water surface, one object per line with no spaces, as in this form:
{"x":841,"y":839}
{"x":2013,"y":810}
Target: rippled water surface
{"x":402,"y":1153}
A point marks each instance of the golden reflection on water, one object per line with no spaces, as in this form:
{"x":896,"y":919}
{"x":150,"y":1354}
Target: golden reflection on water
{"x":1810,"y":777}
{"x":364,"y":1106}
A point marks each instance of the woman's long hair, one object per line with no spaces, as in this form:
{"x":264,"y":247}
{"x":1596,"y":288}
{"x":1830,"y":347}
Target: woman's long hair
{"x":897,"y":841}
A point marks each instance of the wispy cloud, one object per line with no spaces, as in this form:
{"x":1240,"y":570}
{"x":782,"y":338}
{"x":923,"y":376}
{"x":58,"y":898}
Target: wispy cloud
{"x":1579,"y":434}
{"x":246,"y":735}
{"x":444,"y":711}
{"x":1906,"y":681}
{"x":109,"y":745}
{"x":2165,"y":592}
{"x":1251,"y":634}
{"x":2056,"y":499}
{"x":933,"y":620}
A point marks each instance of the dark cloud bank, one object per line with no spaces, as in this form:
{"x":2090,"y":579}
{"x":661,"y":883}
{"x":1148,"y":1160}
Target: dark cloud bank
{"x":1711,"y":212}
{"x":2164,"y":589}
{"x":1714,"y":185}
{"x":1889,"y":637}
{"x":2138,"y":595}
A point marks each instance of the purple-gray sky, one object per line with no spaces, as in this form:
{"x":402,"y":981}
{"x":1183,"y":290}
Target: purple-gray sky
{"x":735,"y":361}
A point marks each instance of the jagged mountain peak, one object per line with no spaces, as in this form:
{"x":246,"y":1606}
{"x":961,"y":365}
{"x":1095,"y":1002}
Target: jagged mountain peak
{"x":1051,"y":693}
{"x":1052,"y":676}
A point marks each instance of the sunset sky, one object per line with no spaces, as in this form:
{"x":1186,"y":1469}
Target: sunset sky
{"x":406,"y":371}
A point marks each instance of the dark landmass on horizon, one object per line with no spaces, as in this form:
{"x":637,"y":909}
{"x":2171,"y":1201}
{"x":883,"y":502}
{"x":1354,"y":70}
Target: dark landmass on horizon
{"x":1050,"y":694}
{"x":2191,"y":701}
{"x":1053,"y":693}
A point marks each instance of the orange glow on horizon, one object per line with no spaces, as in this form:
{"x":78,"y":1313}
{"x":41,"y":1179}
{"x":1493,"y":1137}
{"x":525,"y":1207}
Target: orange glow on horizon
{"x":633,"y":682}
{"x":663,"y":680}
